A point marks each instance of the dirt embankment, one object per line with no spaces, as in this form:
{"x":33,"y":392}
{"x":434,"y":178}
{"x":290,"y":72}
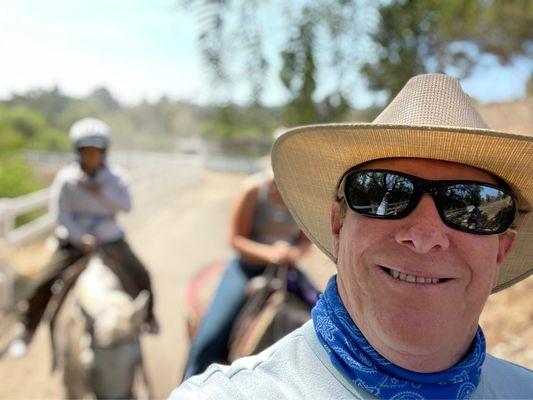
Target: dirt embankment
{"x":514,"y":117}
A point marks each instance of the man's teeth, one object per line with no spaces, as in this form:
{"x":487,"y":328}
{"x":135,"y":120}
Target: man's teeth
{"x":412,"y":278}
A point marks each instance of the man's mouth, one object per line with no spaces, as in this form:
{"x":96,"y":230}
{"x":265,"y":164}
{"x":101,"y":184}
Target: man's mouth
{"x":402,"y":276}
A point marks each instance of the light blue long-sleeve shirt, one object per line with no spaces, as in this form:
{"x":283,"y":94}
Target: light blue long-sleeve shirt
{"x":298,"y":367}
{"x":80,"y":211}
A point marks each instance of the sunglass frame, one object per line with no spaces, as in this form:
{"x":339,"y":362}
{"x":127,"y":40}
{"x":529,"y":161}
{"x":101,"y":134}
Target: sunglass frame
{"x":423,"y":186}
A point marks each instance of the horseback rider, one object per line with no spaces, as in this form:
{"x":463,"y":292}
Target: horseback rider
{"x":262,"y":232}
{"x":86,"y":196}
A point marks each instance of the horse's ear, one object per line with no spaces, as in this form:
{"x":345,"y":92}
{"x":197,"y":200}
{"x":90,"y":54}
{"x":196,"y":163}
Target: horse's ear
{"x":140,"y":308}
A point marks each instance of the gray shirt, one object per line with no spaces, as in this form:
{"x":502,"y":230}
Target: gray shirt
{"x":298,"y":367}
{"x":272,"y":222}
{"x":80,"y":210}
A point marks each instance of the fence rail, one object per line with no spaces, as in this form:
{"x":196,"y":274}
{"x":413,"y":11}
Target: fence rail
{"x":10,"y":209}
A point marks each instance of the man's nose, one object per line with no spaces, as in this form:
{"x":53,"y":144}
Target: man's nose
{"x":423,"y":229}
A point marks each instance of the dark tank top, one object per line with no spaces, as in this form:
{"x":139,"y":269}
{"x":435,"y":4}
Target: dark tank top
{"x":272,"y":222}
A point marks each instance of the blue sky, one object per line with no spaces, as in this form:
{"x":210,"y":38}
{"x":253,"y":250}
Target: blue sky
{"x":142,"y":49}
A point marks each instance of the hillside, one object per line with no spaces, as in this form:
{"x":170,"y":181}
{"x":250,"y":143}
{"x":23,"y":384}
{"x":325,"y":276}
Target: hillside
{"x":515,"y":117}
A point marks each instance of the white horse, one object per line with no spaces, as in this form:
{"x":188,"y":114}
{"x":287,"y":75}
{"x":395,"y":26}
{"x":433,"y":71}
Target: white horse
{"x":98,"y":336}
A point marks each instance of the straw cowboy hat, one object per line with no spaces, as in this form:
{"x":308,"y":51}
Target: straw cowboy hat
{"x":430,"y":118}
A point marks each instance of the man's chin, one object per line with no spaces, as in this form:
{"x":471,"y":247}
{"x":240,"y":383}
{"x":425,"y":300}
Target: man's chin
{"x":414,"y":334}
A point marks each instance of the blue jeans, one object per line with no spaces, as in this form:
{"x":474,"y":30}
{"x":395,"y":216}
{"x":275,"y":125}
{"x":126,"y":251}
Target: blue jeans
{"x":211,"y":342}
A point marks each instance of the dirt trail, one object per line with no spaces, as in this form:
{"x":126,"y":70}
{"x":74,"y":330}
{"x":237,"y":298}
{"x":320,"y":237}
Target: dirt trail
{"x":176,"y":229}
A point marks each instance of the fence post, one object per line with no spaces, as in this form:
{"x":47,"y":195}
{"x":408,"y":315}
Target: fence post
{"x":7,"y":219}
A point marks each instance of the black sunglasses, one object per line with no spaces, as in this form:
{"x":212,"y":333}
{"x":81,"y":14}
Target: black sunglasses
{"x":469,"y":206}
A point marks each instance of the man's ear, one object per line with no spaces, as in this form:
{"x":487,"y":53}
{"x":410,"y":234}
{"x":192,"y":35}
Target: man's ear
{"x":506,"y":241}
{"x":336,"y":225}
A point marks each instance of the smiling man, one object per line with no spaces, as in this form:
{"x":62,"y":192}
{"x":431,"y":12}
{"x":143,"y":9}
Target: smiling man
{"x":416,"y":280}
{"x":420,"y":210}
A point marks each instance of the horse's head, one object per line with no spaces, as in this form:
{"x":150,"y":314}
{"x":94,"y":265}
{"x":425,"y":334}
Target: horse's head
{"x":120,"y":321}
{"x":112,"y":323}
{"x":113,"y":347}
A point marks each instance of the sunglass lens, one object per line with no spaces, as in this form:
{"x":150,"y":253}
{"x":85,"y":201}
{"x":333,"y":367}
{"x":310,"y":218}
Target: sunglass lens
{"x":377,"y":193}
{"x":478,"y":208}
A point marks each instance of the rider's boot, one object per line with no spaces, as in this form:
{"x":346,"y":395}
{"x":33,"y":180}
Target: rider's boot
{"x":151,"y":326}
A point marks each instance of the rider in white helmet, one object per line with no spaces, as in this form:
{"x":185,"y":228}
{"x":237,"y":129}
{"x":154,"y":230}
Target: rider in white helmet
{"x":86,"y":196}
{"x":90,"y":132}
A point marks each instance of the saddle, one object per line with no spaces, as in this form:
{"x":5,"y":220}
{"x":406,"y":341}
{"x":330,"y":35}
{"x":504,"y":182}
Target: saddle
{"x":276,"y":304}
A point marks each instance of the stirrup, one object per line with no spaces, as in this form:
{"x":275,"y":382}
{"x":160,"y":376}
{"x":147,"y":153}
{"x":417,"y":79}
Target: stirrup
{"x":151,"y":327}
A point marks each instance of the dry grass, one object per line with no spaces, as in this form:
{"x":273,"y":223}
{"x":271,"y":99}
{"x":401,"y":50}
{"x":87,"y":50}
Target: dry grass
{"x":508,"y":323}
{"x":515,"y":117}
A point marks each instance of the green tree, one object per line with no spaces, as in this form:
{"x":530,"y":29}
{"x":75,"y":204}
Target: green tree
{"x":26,"y":122}
{"x":298,"y":72}
{"x":29,"y":129}
{"x":16,"y":177}
{"x":417,"y":36}
{"x":51,"y":103}
{"x":234,"y":122}
{"x":328,"y":45}
{"x":80,"y":108}
{"x":236,"y":37}
{"x":104,"y":97}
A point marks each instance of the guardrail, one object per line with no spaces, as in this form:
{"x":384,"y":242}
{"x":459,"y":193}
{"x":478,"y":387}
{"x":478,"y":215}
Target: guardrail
{"x":10,"y":209}
{"x":152,"y":160}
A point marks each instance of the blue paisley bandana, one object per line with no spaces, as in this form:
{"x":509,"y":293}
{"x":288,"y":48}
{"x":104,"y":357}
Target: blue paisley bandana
{"x":351,"y":353}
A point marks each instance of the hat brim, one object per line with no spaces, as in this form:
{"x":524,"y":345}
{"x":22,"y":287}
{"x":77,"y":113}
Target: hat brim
{"x":92,"y":141}
{"x":309,"y":161}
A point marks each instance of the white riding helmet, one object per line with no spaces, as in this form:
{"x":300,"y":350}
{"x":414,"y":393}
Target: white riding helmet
{"x":90,"y":132}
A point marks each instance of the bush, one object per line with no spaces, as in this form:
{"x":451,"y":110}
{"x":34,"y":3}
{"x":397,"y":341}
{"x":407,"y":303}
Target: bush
{"x":21,"y":127}
{"x":28,"y":217}
{"x":16,"y":177}
{"x":49,"y":140}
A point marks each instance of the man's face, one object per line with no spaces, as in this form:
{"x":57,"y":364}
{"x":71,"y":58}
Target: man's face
{"x":91,"y":159}
{"x":416,"y":318}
